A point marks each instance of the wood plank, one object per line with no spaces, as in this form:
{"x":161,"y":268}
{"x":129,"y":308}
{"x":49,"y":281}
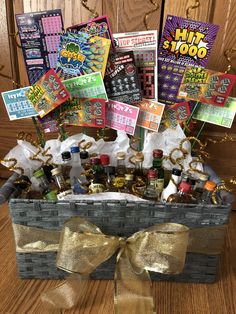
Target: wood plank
{"x":128,"y":15}
{"x":223,"y":14}
{"x":23,"y":295}
{"x":179,"y":8}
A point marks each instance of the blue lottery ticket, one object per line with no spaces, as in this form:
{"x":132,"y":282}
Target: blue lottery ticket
{"x":18,"y":105}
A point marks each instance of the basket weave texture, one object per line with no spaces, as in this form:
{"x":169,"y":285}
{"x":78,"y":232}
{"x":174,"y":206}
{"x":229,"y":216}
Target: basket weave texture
{"x":120,"y":218}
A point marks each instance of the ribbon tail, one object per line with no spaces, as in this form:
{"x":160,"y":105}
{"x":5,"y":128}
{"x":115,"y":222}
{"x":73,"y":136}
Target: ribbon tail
{"x":133,"y":290}
{"x":66,"y":295}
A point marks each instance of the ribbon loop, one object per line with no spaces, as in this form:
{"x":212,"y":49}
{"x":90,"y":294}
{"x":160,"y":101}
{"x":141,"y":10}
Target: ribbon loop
{"x":83,"y":247}
{"x":161,"y":248}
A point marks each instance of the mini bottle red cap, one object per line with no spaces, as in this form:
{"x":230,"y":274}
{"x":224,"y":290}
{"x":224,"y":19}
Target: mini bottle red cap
{"x":184,"y":187}
{"x":152,"y":174}
{"x":157,"y":153}
{"x":105,"y":160}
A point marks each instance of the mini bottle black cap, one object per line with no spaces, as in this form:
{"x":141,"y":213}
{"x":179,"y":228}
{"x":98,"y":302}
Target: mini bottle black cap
{"x":191,"y":181}
{"x":110,"y":170}
{"x":84,"y":154}
{"x":176,"y":172}
{"x":66,"y":155}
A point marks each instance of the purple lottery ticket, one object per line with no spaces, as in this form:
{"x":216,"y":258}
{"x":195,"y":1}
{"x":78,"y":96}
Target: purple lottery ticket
{"x":40,"y":39}
{"x":184,"y":42}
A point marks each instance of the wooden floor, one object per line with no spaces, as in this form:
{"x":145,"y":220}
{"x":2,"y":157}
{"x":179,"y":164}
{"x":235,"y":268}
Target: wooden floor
{"x":22,"y":296}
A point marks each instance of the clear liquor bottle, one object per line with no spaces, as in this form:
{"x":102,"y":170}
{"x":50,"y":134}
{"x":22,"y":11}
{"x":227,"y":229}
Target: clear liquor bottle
{"x":209,"y":188}
{"x":63,"y":188}
{"x":129,"y":181}
{"x":151,"y":192}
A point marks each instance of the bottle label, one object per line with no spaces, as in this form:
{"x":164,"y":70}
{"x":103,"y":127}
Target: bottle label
{"x":62,"y":195}
{"x":96,"y":188}
{"x":119,"y":182}
{"x":160,"y":185}
{"x":51,"y":196}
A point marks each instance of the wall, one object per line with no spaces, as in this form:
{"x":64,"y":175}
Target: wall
{"x":128,"y":15}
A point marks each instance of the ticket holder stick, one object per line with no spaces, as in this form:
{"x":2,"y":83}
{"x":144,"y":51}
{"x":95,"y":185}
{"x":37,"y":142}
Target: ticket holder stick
{"x":141,"y":136}
{"x":191,"y":116}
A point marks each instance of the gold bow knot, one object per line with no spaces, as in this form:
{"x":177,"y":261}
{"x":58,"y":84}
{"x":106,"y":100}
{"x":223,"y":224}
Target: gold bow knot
{"x":83,"y":247}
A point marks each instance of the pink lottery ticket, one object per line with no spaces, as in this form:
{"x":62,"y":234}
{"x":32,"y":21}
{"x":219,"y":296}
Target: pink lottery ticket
{"x":121,"y":117}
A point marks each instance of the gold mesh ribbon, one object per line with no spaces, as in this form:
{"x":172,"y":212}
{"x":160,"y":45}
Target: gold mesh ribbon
{"x":228,"y":55}
{"x":92,"y":11}
{"x":83,"y":247}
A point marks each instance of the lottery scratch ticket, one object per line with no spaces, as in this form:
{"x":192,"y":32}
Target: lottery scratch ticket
{"x":150,"y":114}
{"x":18,"y":105}
{"x":49,"y":123}
{"x":98,"y":26}
{"x":40,"y":38}
{"x":223,"y":116}
{"x":144,"y":47}
{"x":85,"y":112}
{"x":86,"y":86}
{"x":80,"y":54}
{"x":178,"y":113}
{"x":121,"y":117}
{"x":121,"y":79}
{"x":184,"y":42}
{"x":206,"y":86}
{"x":47,"y":94}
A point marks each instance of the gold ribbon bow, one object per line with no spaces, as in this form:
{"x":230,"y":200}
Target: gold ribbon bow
{"x":83,"y":247}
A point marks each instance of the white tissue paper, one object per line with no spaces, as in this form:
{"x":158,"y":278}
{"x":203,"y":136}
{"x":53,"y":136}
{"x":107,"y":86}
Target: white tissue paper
{"x":166,"y":141}
{"x":109,"y":196}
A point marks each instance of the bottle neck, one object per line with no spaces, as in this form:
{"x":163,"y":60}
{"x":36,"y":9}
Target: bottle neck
{"x":157,"y":162}
{"x":67,"y":161}
{"x":152,"y":182}
{"x":181,"y":192}
{"x":200,"y":184}
{"x":206,"y":195}
{"x":120,"y":163}
{"x":76,"y":159}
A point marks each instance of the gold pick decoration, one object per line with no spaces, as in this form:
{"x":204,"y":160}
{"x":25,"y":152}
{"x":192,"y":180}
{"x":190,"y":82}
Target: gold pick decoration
{"x":221,"y":186}
{"x":28,"y":138}
{"x":233,"y":181}
{"x":138,"y":154}
{"x":228,"y":55}
{"x":226,"y":138}
{"x":156,"y":8}
{"x":35,"y":156}
{"x":102,"y":136}
{"x":193,"y":169}
{"x":134,"y":140}
{"x":192,"y":7}
{"x":93,"y":11}
{"x":50,"y":157}
{"x":85,"y":145}
{"x":13,"y":165}
{"x":14,"y":36}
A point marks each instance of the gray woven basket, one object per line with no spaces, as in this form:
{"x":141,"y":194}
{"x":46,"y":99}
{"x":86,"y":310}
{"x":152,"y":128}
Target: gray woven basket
{"x":116,"y":218}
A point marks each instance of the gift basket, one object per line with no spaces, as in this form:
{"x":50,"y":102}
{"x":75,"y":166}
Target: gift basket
{"x":76,"y":200}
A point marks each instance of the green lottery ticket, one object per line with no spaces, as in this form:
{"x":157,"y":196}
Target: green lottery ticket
{"x":223,"y":116}
{"x":86,"y":86}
